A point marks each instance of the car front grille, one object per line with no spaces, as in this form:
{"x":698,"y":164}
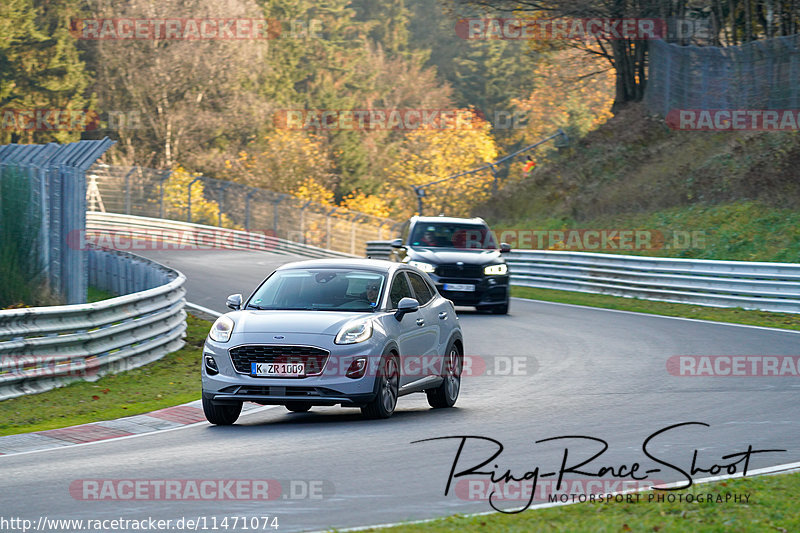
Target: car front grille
{"x":314,"y":358}
{"x":456,"y":271}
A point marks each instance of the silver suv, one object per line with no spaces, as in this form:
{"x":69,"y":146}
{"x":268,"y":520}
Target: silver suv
{"x":352,"y":332}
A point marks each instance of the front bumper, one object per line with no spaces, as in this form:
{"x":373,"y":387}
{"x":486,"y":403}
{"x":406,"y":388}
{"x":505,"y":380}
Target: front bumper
{"x":489,"y":290}
{"x":331,"y":387}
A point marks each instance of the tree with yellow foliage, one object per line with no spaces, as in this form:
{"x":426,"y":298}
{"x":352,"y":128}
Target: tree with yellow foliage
{"x":283,"y":161}
{"x":432,"y":153}
{"x":573,"y":91}
{"x":176,"y":198}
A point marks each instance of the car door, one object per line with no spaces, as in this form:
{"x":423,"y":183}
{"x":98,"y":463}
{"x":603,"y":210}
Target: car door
{"x":409,"y":332}
{"x":430,"y":313}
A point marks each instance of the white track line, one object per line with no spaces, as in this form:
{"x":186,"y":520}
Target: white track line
{"x":779,"y":469}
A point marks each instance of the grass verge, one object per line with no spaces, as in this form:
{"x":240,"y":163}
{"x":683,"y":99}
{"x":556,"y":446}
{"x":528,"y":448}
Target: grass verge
{"x":97,"y":295}
{"x":732,"y":315}
{"x":172,"y":380}
{"x":771,"y":507}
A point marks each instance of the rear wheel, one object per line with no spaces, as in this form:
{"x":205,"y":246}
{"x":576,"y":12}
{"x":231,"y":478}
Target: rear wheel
{"x":385,"y":401}
{"x":298,"y":407}
{"x":221,"y":414}
{"x":446,"y":394}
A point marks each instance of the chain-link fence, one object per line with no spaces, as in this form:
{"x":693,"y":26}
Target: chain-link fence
{"x":42,"y":205}
{"x":758,"y":75}
{"x":183,"y":196}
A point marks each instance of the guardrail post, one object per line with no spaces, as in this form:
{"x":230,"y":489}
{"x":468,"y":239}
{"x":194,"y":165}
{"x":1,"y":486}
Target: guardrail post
{"x":189,"y":199}
{"x":247,"y":207}
{"x":328,"y":228}
{"x":275,"y":213}
{"x":303,"y":222}
{"x":128,"y":191}
{"x":221,"y":200}
{"x":164,"y":178}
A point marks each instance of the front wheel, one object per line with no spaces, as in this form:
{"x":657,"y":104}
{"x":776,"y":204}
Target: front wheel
{"x":221,"y":414}
{"x":446,"y":394}
{"x":501,"y":309}
{"x":385,"y":401}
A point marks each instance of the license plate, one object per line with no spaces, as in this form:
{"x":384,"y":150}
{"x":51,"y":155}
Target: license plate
{"x":462,"y":287}
{"x":278,"y":369}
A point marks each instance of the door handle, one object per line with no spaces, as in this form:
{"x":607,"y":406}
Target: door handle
{"x":420,"y":322}
{"x":443,"y":315}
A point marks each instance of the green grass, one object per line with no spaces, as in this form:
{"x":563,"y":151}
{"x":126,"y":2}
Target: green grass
{"x":739,"y":231}
{"x":732,"y":315}
{"x":772,"y":506}
{"x":172,"y":380}
{"x":97,"y":295}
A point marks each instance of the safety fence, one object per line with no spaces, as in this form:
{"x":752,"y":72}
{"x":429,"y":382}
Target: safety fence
{"x":755,"y":76}
{"x":201,"y":200}
{"x":46,"y":347}
{"x":745,"y":284}
{"x":131,"y":233}
{"x":42,"y":200}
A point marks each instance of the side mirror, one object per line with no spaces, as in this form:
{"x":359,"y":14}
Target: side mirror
{"x":406,"y":305}
{"x":505,"y":247}
{"x":397,"y":243}
{"x":234,"y":301}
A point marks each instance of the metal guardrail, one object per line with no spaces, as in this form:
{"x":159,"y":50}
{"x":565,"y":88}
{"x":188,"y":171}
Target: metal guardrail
{"x":45,"y":347}
{"x":379,"y":250}
{"x":745,"y":284}
{"x":130,"y":230}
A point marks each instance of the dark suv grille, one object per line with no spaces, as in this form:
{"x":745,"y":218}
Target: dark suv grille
{"x":455,"y":271}
{"x":314,"y":358}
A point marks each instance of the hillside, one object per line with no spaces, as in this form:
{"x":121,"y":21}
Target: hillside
{"x":741,"y":190}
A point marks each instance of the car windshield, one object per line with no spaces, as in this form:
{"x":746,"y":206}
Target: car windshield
{"x":327,"y":289}
{"x":443,"y":235}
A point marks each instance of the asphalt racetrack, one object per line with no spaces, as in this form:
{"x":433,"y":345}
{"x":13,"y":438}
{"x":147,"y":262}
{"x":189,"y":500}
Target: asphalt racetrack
{"x":546,"y":370}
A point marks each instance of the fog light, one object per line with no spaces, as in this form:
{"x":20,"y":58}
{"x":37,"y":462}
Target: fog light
{"x":211,"y":366}
{"x":492,"y":281}
{"x":357,"y":368}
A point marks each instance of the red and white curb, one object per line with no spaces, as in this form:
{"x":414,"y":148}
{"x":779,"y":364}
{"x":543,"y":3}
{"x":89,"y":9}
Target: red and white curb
{"x":169,"y":418}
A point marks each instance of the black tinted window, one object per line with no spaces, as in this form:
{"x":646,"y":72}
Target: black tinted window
{"x":446,"y":235}
{"x":400,"y":290}
{"x":421,"y":289}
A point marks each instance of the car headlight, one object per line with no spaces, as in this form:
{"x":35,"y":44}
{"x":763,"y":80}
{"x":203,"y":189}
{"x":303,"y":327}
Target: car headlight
{"x":425,"y":267}
{"x":221,"y":330}
{"x":354,"y":332}
{"x":496,"y":270}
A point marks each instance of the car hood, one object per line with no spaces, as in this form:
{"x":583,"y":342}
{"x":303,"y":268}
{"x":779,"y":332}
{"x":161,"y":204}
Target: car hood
{"x":454,"y":255}
{"x":317,"y":322}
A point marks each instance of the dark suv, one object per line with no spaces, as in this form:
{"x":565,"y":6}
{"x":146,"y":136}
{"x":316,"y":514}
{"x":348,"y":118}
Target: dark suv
{"x":461,"y":257}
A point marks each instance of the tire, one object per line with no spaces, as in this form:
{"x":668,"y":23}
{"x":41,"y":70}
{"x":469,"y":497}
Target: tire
{"x":221,"y":414}
{"x":298,"y":407}
{"x":500,"y":309}
{"x":388,"y":384}
{"x":446,"y":394}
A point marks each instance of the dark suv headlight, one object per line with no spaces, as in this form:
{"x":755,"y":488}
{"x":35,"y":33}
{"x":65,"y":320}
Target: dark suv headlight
{"x":496,"y":270}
